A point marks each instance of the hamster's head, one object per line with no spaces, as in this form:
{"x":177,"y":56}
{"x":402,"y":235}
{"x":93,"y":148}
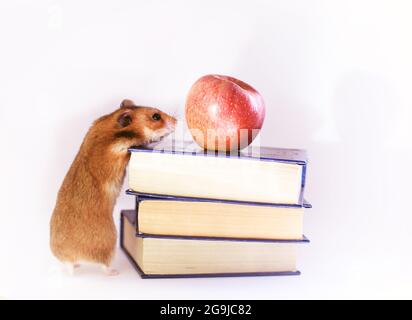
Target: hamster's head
{"x":136,"y":125}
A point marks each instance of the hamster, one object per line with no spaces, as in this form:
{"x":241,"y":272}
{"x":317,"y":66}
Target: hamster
{"x":82,"y":227}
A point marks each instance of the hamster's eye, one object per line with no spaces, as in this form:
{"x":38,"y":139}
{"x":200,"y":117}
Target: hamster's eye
{"x":156,"y":117}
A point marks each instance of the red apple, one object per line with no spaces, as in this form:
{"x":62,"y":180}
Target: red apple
{"x":224,"y":113}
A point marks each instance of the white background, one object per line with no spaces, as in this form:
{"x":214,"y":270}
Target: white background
{"x":336,"y":77}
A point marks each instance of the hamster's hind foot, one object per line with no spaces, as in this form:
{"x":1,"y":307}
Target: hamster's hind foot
{"x":70,"y":267}
{"x":109,"y":271}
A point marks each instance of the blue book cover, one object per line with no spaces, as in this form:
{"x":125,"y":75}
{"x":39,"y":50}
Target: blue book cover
{"x":131,"y":216}
{"x":297,"y":156}
{"x":140,"y":196}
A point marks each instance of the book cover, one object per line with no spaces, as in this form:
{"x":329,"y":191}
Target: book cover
{"x":297,"y":156}
{"x":140,"y":196}
{"x":131,"y":216}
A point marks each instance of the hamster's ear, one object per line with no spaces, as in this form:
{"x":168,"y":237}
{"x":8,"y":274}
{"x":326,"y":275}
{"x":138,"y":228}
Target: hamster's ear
{"x":127,"y":103}
{"x":124,"y":119}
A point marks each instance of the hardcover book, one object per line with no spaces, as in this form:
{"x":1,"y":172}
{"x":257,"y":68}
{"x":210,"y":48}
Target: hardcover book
{"x":266,"y":175}
{"x":182,"y":216}
{"x":173,"y":256}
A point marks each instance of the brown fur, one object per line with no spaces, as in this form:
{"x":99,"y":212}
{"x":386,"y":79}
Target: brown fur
{"x":82,"y":226}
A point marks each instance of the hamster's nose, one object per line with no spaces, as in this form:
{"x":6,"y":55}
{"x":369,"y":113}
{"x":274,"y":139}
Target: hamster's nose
{"x":173,"y":121}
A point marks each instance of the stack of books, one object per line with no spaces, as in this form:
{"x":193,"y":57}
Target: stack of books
{"x":200,"y":213}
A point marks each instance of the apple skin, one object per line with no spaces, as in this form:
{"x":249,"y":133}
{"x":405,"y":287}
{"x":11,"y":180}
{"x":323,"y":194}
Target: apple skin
{"x":224,"y":113}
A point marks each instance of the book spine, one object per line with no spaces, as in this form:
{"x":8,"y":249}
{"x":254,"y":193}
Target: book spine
{"x":138,"y":200}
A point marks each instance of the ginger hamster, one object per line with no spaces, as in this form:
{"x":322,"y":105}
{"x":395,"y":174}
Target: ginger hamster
{"x":82,"y":227}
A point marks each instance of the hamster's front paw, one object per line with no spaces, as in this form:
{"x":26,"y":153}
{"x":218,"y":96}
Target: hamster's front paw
{"x":109,"y":271}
